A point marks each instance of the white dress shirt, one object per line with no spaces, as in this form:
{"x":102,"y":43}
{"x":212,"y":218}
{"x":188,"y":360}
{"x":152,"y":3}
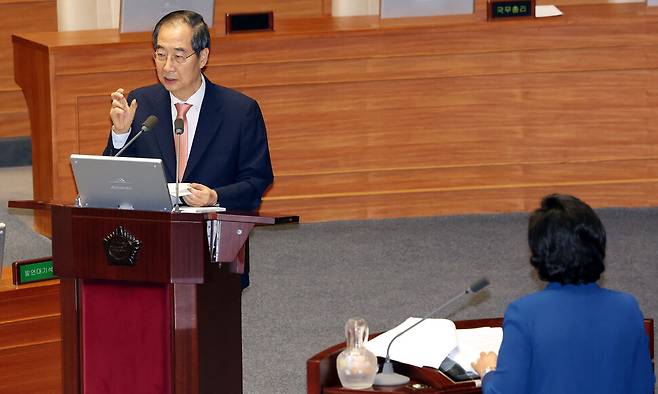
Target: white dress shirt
{"x":196,"y":99}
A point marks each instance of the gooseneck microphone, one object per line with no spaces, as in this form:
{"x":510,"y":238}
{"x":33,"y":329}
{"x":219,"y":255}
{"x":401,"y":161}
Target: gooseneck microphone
{"x":179,"y":128}
{"x":148,"y":124}
{"x":387,"y":377}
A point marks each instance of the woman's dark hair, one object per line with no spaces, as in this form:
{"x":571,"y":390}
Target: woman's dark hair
{"x":567,"y":241}
{"x":201,"y":35}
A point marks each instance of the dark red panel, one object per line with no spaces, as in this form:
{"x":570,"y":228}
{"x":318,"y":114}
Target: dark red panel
{"x":126,"y":338}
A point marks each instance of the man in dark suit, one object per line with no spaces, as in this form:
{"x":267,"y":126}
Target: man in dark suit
{"x":224,"y":152}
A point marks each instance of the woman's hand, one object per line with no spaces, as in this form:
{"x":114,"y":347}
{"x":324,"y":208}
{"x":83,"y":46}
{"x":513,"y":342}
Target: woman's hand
{"x":487,"y":361}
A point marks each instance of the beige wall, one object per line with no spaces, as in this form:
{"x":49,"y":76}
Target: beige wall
{"x":354,"y":7}
{"x":87,"y":14}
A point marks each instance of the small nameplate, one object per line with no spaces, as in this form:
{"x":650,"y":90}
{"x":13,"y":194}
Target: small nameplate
{"x":30,"y":271}
{"x":499,"y":9}
{"x":121,"y":247}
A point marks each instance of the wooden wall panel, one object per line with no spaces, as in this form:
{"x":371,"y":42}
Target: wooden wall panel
{"x":368,"y":116}
{"x":32,"y":369}
{"x":26,"y":302}
{"x":13,"y":19}
{"x":442,"y":128}
{"x":29,"y":337}
{"x":30,"y":331}
{"x":441,"y":179}
{"x":42,"y":17}
{"x":498,"y":199}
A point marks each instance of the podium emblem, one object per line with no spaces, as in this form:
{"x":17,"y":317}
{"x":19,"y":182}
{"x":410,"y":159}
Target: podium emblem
{"x":121,"y":247}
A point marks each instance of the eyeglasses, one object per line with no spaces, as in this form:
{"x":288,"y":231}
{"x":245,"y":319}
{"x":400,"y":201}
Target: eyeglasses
{"x":162,"y":56}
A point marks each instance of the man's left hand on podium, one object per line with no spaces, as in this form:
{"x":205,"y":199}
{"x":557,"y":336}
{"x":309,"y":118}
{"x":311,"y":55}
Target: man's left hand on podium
{"x":202,"y":196}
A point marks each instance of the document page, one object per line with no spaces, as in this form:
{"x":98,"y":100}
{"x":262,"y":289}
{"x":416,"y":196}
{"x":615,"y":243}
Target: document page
{"x":472,"y":341}
{"x":202,"y":209}
{"x":183,"y":189}
{"x":427,"y":344}
{"x":545,"y":11}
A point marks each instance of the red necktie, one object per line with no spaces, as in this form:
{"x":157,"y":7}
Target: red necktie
{"x":181,"y":151}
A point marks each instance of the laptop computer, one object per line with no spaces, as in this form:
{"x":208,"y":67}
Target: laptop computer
{"x":142,"y":15}
{"x":121,"y":182}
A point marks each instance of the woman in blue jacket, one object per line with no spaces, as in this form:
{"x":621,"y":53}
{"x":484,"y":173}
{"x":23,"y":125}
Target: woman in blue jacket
{"x":573,"y":336}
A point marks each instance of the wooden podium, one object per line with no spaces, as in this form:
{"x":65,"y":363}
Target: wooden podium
{"x":322,"y":378}
{"x":143,"y":308}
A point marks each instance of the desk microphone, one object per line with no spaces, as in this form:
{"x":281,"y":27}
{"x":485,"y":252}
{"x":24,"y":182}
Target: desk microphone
{"x":179,"y":128}
{"x":148,"y":124}
{"x":387,"y":377}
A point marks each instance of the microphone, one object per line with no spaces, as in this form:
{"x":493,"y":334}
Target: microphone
{"x":148,"y":124}
{"x":179,"y":128}
{"x":387,"y":377}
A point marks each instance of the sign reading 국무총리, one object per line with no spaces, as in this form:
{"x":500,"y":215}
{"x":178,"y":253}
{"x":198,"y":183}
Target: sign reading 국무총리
{"x":497,"y":9}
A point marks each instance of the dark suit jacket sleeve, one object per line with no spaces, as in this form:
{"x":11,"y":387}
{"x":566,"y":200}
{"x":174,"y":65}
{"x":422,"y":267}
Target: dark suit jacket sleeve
{"x":254,"y":167}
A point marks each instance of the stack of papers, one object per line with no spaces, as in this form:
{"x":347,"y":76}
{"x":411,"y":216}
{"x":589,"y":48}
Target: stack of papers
{"x":429,"y":343}
{"x":472,"y":341}
{"x":183,"y":189}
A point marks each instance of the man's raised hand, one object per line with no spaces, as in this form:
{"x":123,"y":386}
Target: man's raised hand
{"x":121,"y":113}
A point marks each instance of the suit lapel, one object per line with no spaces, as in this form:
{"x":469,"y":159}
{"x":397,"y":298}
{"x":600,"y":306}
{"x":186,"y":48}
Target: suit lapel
{"x":165,"y":133}
{"x":210,"y":119}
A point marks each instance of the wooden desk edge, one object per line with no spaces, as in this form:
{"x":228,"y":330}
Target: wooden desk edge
{"x":258,"y":218}
{"x":30,"y":204}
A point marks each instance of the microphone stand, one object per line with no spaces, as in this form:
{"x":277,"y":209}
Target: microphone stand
{"x":148,"y":124}
{"x":388,"y":377}
{"x":177,"y":204}
{"x":179,"y":129}
{"x":129,"y":143}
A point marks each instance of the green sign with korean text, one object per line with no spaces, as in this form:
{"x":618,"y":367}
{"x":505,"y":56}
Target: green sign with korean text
{"x":34,"y":272}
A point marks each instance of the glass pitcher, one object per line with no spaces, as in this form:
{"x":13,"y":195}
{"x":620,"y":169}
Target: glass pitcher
{"x":356,"y":365}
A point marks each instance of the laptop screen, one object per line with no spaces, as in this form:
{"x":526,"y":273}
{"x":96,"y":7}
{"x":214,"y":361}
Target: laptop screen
{"x":121,"y":182}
